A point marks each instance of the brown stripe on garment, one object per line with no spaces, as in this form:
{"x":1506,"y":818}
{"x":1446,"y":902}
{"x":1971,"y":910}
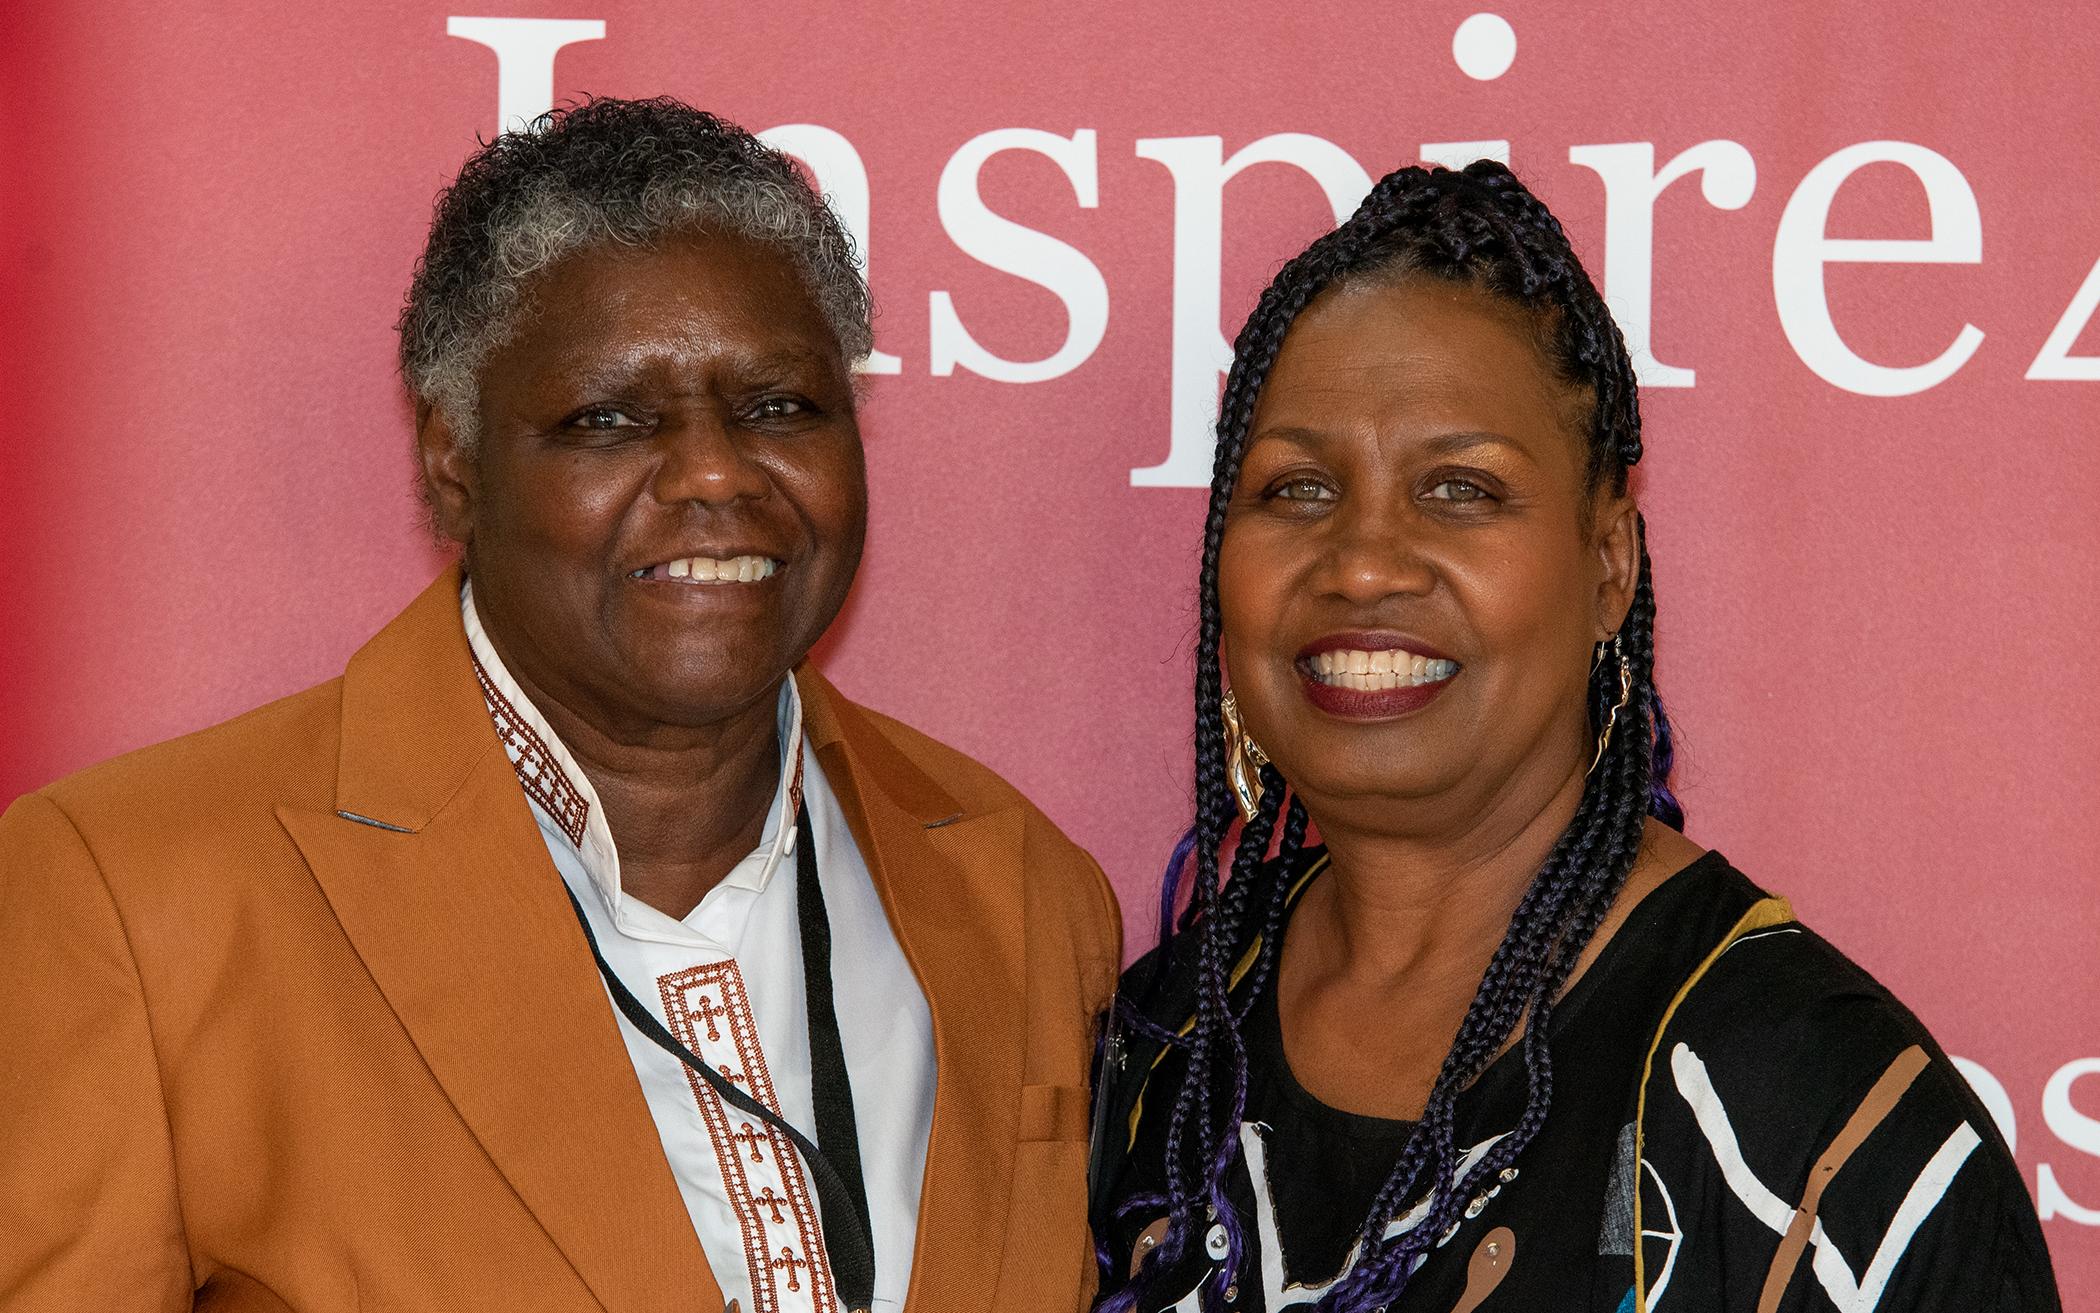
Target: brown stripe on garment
{"x":1490,"y":1263}
{"x":1872,"y":1111}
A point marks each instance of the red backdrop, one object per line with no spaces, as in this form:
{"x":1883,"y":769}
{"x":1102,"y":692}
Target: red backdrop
{"x":1867,"y":238}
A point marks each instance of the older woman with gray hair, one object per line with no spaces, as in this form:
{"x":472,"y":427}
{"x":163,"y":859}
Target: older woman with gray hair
{"x":579,"y":947}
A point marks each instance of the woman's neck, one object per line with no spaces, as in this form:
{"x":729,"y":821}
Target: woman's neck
{"x":1386,"y":950}
{"x":1401,"y":905}
{"x":684,"y":804}
{"x":1401,"y":930}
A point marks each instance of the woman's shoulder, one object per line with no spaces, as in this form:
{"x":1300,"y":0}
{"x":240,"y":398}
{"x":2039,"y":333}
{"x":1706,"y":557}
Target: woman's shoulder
{"x":1156,"y":999}
{"x":1729,"y":962}
{"x":1778,"y":995}
{"x":1058,"y":883}
{"x":231,"y":774}
{"x":179,"y":840}
{"x":1791,"y":1078}
{"x":1161,"y":984}
{"x":920,"y":769}
{"x":1778,"y":1013}
{"x":1785,"y":1081}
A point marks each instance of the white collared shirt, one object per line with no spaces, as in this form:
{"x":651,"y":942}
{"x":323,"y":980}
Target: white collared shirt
{"x":727,"y":980}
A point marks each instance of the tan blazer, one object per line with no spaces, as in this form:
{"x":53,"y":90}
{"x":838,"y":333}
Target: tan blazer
{"x":255,"y":1056}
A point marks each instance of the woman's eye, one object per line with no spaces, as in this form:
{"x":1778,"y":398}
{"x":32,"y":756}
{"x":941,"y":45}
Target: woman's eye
{"x":1459,"y":490}
{"x":780,"y":408}
{"x":600,"y":418}
{"x":1301,"y":489}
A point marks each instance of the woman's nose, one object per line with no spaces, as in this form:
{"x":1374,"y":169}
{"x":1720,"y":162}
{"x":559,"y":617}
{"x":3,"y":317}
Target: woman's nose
{"x":706,"y":460}
{"x":1376,"y":552}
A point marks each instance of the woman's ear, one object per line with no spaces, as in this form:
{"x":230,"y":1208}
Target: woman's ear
{"x":1616,"y":538}
{"x":451,"y":478}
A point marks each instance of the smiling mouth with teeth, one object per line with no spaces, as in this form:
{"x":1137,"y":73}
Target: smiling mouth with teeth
{"x":711,"y":570}
{"x":1371,"y":671}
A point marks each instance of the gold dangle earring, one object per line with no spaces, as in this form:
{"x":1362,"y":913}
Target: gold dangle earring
{"x":1611,"y":722}
{"x":1243,"y":758}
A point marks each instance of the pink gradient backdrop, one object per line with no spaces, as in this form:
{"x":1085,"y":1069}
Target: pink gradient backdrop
{"x":1878,"y":613}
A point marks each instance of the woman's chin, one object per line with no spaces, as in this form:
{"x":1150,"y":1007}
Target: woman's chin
{"x":693,"y":690}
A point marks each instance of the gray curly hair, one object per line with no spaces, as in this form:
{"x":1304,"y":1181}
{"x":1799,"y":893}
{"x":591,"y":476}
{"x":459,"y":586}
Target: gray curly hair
{"x":631,"y":172}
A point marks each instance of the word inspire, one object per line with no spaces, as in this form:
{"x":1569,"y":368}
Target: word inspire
{"x":525,"y":49}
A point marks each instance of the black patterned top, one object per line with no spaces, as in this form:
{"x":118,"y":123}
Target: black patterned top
{"x":1803,"y":1144}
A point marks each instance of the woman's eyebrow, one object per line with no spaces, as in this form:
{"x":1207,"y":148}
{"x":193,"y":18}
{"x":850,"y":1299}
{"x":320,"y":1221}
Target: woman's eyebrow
{"x":1292,"y":433}
{"x":784,"y":360}
{"x":1441,"y":444}
{"x":637,"y":367}
{"x":1452,"y":444}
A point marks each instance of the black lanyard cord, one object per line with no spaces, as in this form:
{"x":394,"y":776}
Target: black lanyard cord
{"x":842,"y":1193}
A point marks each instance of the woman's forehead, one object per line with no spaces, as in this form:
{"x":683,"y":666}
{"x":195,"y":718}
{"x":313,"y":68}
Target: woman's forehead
{"x":612,"y":301}
{"x":1421,"y":352}
{"x":687,"y":267}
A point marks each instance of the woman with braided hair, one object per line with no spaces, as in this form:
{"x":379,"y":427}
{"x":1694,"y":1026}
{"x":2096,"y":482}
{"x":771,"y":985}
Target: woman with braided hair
{"x":1503,"y":1037}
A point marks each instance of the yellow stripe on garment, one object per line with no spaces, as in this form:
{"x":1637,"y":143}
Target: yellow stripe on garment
{"x":1239,"y":973}
{"x":1762,"y":915}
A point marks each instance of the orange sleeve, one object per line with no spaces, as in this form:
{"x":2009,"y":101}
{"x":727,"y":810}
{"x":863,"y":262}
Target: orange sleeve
{"x":1109,"y":971}
{"x":1110,"y":941}
{"x":88,"y":1210}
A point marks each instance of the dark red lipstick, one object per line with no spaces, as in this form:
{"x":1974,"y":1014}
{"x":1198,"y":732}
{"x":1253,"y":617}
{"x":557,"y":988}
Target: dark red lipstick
{"x":1369,"y":704}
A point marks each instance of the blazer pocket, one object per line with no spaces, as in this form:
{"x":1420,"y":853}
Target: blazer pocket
{"x":1049,"y":1258}
{"x":1053,"y":1112}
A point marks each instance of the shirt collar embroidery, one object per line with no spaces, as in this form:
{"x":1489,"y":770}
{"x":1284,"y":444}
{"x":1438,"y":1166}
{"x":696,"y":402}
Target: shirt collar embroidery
{"x":564,"y":794}
{"x":546,"y":781}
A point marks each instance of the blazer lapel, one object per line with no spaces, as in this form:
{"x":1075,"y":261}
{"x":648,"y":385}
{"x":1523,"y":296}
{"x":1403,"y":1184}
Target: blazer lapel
{"x":436,"y":870}
{"x":949,"y":882}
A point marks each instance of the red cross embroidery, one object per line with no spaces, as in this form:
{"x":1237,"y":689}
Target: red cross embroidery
{"x":790,"y":1262}
{"x":750,"y":1137}
{"x":730,"y":1074}
{"x":707,"y":1010}
{"x":772,"y":1203}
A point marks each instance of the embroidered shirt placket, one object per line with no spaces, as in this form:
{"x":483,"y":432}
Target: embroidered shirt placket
{"x":708,"y":1008}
